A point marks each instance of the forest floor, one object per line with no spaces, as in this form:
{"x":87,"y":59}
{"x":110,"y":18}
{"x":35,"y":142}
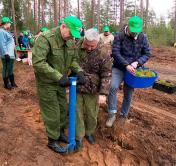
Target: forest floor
{"x":148,"y":138}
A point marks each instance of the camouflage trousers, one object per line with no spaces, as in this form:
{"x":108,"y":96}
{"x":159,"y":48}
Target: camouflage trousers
{"x":86,"y":114}
{"x":53,"y":107}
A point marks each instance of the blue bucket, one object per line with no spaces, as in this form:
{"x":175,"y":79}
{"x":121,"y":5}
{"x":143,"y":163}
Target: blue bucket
{"x":139,"y":82}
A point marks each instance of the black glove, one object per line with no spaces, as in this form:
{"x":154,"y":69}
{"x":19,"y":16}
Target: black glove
{"x":7,"y":57}
{"x":64,"y":81}
{"x":81,"y":78}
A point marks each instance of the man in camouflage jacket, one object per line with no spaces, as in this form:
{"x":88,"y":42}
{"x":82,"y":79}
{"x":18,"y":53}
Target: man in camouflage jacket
{"x":96,"y":63}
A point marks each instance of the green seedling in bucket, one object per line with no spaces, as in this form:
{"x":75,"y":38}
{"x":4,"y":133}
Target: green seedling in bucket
{"x":144,"y":73}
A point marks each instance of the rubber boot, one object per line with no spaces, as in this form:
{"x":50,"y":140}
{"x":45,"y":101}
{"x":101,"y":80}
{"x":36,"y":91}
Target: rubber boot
{"x":90,"y":138}
{"x":12,"y":81}
{"x":7,"y":84}
{"x":79,"y":145}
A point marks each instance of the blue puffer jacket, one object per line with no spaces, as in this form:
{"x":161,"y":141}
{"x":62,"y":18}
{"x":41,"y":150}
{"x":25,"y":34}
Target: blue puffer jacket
{"x":127,"y":50}
{"x":25,"y":41}
{"x":7,"y":44}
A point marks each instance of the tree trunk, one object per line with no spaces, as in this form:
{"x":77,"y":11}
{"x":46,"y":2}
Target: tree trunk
{"x":14,"y":20}
{"x":43,"y":12}
{"x":146,"y":15}
{"x":39,"y":18}
{"x":65,"y":8}
{"x":50,"y":11}
{"x":93,"y":9}
{"x":78,"y":9}
{"x":55,"y":5}
{"x":141,"y":9}
{"x":35,"y":12}
{"x":98,"y":14}
{"x":175,"y":21}
{"x":59,"y":10}
{"x":121,"y":13}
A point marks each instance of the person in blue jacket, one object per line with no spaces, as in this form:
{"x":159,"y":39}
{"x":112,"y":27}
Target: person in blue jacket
{"x":7,"y":53}
{"x":130,"y":50}
{"x":25,"y":40}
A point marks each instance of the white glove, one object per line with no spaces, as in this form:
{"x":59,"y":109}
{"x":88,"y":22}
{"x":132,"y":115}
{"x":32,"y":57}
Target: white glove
{"x":134,"y":64}
{"x":102,"y":99}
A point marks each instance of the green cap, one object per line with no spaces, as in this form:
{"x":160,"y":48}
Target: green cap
{"x":6,"y":20}
{"x":106,"y":28}
{"x":25,"y":32}
{"x":18,"y":48}
{"x":31,"y":41}
{"x":135,"y":24}
{"x":74,"y":24}
{"x":42,"y":29}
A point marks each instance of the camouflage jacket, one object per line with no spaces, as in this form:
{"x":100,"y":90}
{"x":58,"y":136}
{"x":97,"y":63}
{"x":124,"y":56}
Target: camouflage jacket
{"x":53,"y":57}
{"x":97,"y":70}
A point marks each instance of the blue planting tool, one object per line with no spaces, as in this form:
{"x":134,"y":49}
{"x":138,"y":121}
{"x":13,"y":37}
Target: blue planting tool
{"x":72,"y":114}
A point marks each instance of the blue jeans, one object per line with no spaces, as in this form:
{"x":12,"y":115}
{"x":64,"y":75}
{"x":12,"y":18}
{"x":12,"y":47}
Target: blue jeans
{"x":117,"y":79}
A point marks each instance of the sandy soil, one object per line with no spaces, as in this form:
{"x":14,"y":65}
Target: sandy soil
{"x":148,"y":137}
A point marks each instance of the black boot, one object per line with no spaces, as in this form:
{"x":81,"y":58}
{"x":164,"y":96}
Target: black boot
{"x":7,"y":84}
{"x":53,"y":144}
{"x":90,"y":138}
{"x":12,"y":81}
{"x":79,"y":145}
{"x":63,"y":137}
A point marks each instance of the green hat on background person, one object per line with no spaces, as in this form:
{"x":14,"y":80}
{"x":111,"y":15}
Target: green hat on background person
{"x":31,"y":41}
{"x":42,"y":29}
{"x":6,"y":20}
{"x":74,"y":24}
{"x":18,"y":48}
{"x":25,"y":32}
{"x":135,"y":24}
{"x":106,"y":28}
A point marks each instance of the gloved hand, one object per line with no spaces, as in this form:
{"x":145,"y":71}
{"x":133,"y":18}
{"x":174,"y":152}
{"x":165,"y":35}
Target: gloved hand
{"x":134,"y":64}
{"x":64,"y":81}
{"x":102,"y":99}
{"x":7,"y":57}
{"x":81,"y":78}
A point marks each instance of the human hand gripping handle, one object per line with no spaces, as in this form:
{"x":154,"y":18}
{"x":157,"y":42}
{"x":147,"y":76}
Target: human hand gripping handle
{"x":81,"y":78}
{"x":135,"y":64}
{"x":64,"y":81}
{"x":102,"y":99}
{"x":7,"y":57}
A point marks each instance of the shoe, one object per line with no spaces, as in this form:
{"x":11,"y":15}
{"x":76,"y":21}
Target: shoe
{"x":63,"y":138}
{"x":53,"y":144}
{"x":79,"y":145}
{"x":7,"y":84}
{"x":111,"y":120}
{"x":90,"y":139}
{"x":12,"y":81}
